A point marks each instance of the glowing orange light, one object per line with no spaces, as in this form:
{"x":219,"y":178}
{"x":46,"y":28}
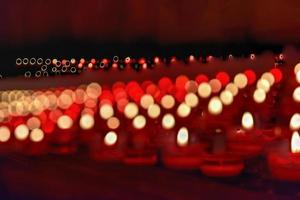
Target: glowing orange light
{"x":33,"y":122}
{"x":131,"y":110}
{"x":183,"y":110}
{"x":153,"y":111}
{"x":191,"y":100}
{"x":93,"y":90}
{"x":139,"y":122}
{"x":240,"y":80}
{"x":113,"y":123}
{"x":204,"y":90}
{"x":167,"y":101}
{"x":146,"y":101}
{"x":168,"y":121}
{"x":215,"y":85}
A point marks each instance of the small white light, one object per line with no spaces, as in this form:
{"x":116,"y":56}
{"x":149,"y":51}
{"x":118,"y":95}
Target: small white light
{"x":240,"y":80}
{"x":110,"y":138}
{"x":295,"y":142}
{"x":183,"y":110}
{"x":295,"y":122}
{"x":4,"y":134}
{"x":21,"y":132}
{"x":167,"y":101}
{"x":106,"y":111}
{"x":146,"y":101}
{"x":168,"y":121}
{"x":215,"y":106}
{"x":226,"y":97}
{"x":139,"y":122}
{"x":204,"y":90}
{"x":36,"y":135}
{"x":247,"y":121}
{"x":263,"y":84}
{"x":191,"y":100}
{"x":86,"y":122}
{"x":183,"y":137}
{"x":259,"y":95}
{"x":153,"y":111}
{"x":64,"y":122}
{"x":131,"y":110}
{"x":296,"y":94}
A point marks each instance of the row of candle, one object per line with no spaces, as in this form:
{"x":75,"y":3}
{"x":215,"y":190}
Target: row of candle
{"x":145,"y":122}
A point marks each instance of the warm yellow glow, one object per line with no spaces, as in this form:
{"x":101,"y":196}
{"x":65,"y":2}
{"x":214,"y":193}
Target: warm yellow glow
{"x":295,"y":122}
{"x":298,"y":76}
{"x":153,"y":111}
{"x":113,"y":123}
{"x":247,"y":121}
{"x":139,"y":122}
{"x":215,"y":85}
{"x":226,"y":97}
{"x":263,"y":84}
{"x":106,"y":111}
{"x":86,"y":122}
{"x":21,"y":132}
{"x":110,"y":138}
{"x":297,"y":68}
{"x":183,"y":110}
{"x":191,"y":100}
{"x":146,"y":101}
{"x":191,"y":86}
{"x":296,"y":94}
{"x":167,"y":101}
{"x":131,"y":110}
{"x":204,"y":90}
{"x":37,"y":135}
{"x":183,"y":137}
{"x":168,"y":121}
{"x":240,"y":80}
{"x":215,"y":106}
{"x":33,"y":122}
{"x":80,"y":96}
{"x":259,"y":95}
{"x":64,"y":122}
{"x":269,"y":77}
{"x":295,"y":142}
{"x":4,"y":134}
{"x":65,"y":100}
{"x":93,"y":90}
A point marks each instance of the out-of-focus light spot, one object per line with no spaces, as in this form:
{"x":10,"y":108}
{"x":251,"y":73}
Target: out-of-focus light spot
{"x":269,"y":77}
{"x":232,"y":88}
{"x":259,"y":95}
{"x":4,"y":134}
{"x":204,"y":90}
{"x":215,"y":106}
{"x":183,"y":137}
{"x":139,"y":122}
{"x":113,"y":123}
{"x":183,"y":110}
{"x":146,"y":101}
{"x":167,"y":101}
{"x":36,"y":135}
{"x":191,"y":100}
{"x":295,"y":142}
{"x":215,"y":85}
{"x":21,"y":132}
{"x":168,"y":121}
{"x":33,"y":122}
{"x":240,"y":80}
{"x":251,"y":76}
{"x":247,"y":121}
{"x":263,"y":84}
{"x":93,"y":90}
{"x":295,"y":122}
{"x":296,"y":94}
{"x":64,"y":122}
{"x":106,"y":111}
{"x":110,"y":138}
{"x":153,"y":111}
{"x":226,"y":97}
{"x":223,"y":77}
{"x":131,"y":110}
{"x":86,"y":122}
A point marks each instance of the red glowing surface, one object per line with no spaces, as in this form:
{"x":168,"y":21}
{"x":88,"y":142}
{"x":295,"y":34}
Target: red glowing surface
{"x":251,"y":76}
{"x":223,"y":77}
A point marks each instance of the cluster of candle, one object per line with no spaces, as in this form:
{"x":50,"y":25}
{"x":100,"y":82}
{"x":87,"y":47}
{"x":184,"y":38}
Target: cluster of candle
{"x":189,"y":120}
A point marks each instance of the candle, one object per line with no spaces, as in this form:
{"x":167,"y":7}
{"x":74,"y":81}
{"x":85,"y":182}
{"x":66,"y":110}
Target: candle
{"x":285,"y":165}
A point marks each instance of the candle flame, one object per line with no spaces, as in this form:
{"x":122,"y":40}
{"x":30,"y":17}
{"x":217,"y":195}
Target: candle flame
{"x":295,"y":142}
